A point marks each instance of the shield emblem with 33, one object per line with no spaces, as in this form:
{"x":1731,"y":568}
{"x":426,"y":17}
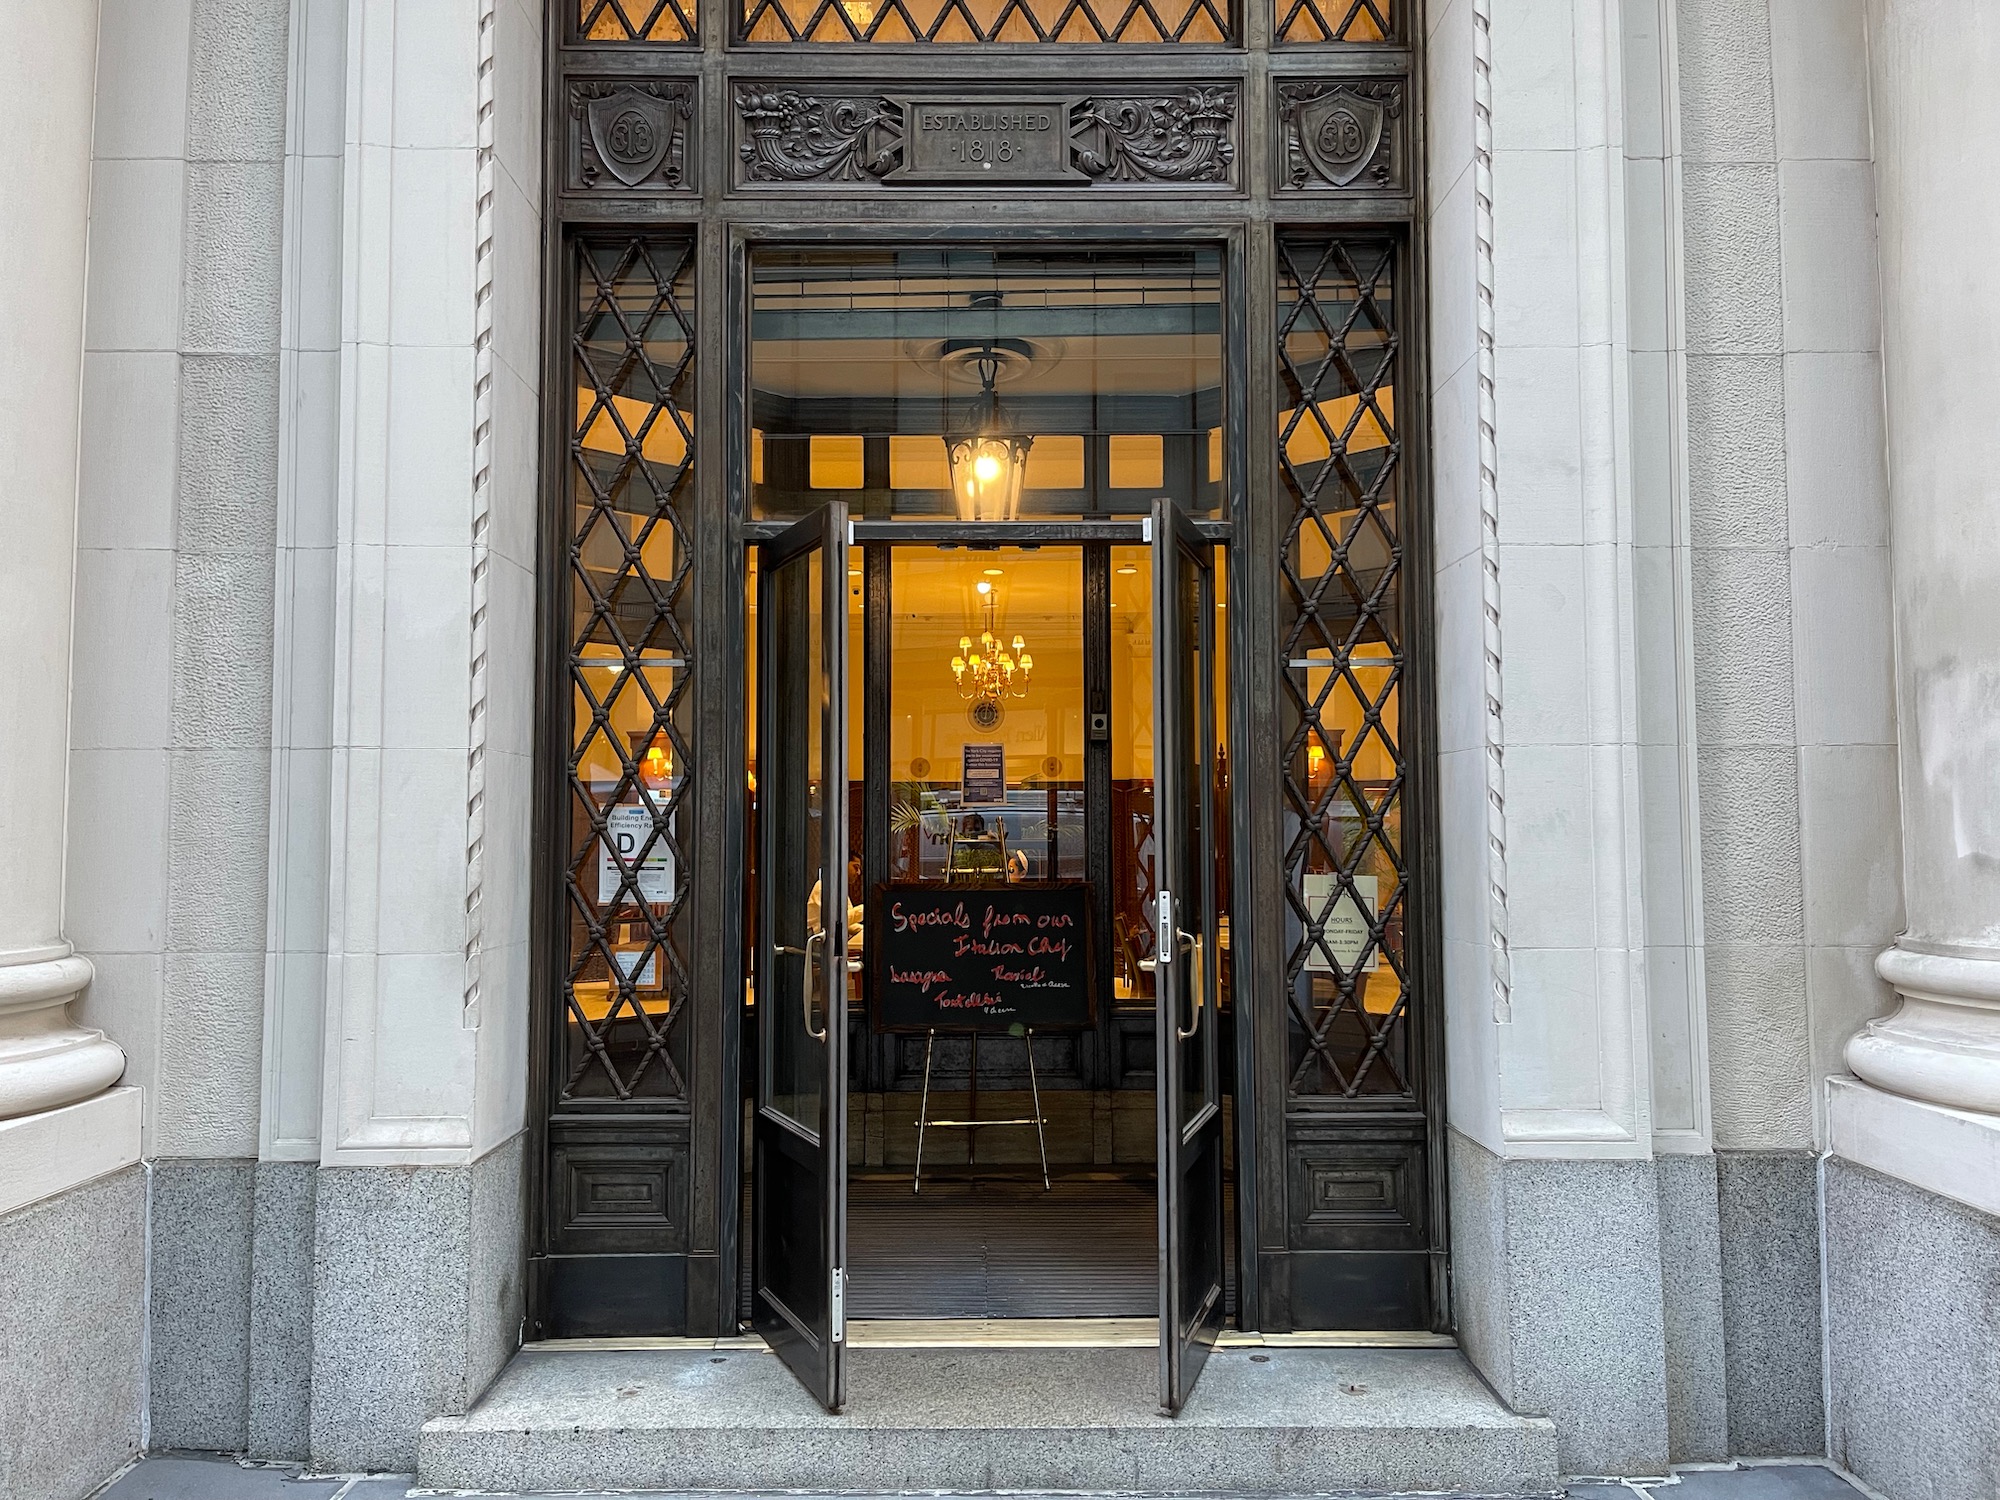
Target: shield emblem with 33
{"x":1339,"y":132}
{"x":632,"y":132}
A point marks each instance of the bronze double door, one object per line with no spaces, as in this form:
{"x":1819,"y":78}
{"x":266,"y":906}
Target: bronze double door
{"x":799,"y":1181}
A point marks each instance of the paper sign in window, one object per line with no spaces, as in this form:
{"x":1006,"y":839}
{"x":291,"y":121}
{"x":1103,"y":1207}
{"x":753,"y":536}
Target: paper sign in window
{"x":1346,"y":926}
{"x":627,"y":827}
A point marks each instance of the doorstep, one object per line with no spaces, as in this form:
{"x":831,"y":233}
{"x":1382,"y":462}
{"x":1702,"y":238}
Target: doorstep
{"x":1262,"y":1420}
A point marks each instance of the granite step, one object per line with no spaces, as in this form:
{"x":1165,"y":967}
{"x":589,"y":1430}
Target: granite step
{"x":1263,"y":1421}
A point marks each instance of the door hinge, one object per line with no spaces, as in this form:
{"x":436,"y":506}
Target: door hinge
{"x":839,"y":1319}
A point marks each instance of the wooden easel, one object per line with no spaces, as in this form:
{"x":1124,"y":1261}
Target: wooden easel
{"x":924,"y":1121}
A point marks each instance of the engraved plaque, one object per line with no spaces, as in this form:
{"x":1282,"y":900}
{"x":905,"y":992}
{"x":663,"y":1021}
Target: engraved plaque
{"x":968,"y":139}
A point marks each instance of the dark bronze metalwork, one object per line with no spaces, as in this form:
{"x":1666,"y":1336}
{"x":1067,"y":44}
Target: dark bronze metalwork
{"x":636,"y":1201}
{"x":635,"y":21}
{"x":1335,"y":134}
{"x":1311,"y":22}
{"x":985,"y":137}
{"x":630,"y":133}
{"x":947,"y":22}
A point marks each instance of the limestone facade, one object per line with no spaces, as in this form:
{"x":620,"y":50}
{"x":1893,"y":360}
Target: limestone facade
{"x":1711,"y":355}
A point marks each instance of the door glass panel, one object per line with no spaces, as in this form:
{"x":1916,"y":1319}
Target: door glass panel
{"x":949,"y":689}
{"x":1101,"y":369}
{"x":793,"y":793}
{"x":1133,"y":848}
{"x":1197,"y":1051}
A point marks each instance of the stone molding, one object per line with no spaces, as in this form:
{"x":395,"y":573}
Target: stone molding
{"x":55,"y":1150}
{"x":1952,"y":1153}
{"x":45,"y":1062}
{"x":1942,"y":1044}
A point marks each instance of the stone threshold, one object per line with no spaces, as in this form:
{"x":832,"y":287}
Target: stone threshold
{"x":1277,"y":1420}
{"x":1029,"y":1333}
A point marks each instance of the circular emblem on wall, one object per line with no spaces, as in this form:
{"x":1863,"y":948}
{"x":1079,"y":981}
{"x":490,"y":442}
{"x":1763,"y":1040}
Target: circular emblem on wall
{"x":631,"y":138}
{"x":1341,"y":138}
{"x":986,"y":714}
{"x":1052,"y":766}
{"x":919,"y":769}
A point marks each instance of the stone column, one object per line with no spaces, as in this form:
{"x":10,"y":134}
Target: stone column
{"x":47,"y":84}
{"x":1937,"y":135}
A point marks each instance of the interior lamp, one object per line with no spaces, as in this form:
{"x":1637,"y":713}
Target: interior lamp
{"x":988,"y":457}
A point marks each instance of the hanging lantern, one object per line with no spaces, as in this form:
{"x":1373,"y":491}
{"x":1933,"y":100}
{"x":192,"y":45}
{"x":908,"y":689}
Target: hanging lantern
{"x":988,"y":457}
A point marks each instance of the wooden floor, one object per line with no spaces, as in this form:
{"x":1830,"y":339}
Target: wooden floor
{"x":998,"y":1250}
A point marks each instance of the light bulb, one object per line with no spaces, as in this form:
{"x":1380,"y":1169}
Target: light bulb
{"x":985,"y":587}
{"x":986,"y":468}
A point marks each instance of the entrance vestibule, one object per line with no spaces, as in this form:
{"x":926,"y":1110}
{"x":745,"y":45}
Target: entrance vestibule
{"x":1037,"y":1194}
{"x":1059,"y":419}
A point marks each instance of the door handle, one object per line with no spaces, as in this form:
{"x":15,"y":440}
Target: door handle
{"x":806,"y":991}
{"x":1192,"y":944}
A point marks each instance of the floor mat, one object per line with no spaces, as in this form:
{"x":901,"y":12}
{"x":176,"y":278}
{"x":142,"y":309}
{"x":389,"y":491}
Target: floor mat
{"x":1001,"y":1250}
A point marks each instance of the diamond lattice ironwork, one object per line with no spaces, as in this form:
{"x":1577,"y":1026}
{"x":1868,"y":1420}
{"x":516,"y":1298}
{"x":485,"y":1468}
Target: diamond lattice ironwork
{"x":636,"y":20}
{"x":1311,"y":21}
{"x":631,"y":465}
{"x":1339,"y":456}
{"x":946,"y":21}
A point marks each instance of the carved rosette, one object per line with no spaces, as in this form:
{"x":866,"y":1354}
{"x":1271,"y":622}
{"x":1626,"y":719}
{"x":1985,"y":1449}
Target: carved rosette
{"x":1340,"y":135}
{"x":1173,"y":137}
{"x":631,"y":134}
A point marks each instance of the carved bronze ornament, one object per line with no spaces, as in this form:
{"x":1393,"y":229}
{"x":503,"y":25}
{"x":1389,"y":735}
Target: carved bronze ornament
{"x":1172,"y":137}
{"x":1333,"y":134}
{"x":635,"y":133}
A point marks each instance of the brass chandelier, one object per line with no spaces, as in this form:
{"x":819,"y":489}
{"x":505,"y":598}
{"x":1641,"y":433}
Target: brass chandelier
{"x":989,"y":670}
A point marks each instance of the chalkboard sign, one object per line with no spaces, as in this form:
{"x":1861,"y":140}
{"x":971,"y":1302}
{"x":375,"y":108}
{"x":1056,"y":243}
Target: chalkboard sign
{"x":984,"y":958}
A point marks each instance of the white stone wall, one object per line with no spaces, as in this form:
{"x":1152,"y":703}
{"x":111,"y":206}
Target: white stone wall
{"x":1788,"y":503}
{"x":170,"y":737}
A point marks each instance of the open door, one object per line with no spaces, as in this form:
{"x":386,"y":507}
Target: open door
{"x":1190,"y":1076}
{"x":799,"y":1172}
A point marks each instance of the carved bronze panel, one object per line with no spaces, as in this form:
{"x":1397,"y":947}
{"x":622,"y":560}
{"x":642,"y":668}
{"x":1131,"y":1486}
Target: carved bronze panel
{"x":1175,"y":137}
{"x":631,"y":134}
{"x":1344,"y":134}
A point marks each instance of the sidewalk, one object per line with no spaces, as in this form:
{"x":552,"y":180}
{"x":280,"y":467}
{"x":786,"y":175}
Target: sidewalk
{"x":206,"y":1477}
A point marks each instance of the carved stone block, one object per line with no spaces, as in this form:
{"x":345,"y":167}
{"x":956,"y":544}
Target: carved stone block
{"x":631,"y":135}
{"x":1340,"y":135}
